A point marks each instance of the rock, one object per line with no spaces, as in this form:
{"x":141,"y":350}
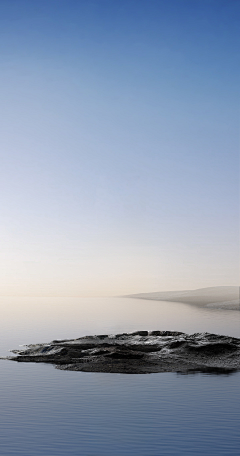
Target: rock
{"x":140,"y":352}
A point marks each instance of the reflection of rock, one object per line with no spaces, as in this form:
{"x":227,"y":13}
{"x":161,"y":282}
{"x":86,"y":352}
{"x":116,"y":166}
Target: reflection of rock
{"x":140,"y":352}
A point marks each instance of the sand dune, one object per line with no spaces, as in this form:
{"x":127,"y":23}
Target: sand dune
{"x":222,"y":297}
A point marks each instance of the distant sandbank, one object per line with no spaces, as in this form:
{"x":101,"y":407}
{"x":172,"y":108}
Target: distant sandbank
{"x":223,"y":297}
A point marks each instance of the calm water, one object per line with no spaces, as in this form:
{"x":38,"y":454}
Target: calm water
{"x":48,"y":412}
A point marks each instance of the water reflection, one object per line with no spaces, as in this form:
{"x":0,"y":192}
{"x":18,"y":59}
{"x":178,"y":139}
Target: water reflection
{"x":210,"y":371}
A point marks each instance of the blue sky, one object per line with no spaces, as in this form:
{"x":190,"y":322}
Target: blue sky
{"x":119,"y":146}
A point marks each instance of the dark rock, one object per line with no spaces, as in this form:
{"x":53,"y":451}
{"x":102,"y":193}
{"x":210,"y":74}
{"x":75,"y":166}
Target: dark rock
{"x":139,"y":352}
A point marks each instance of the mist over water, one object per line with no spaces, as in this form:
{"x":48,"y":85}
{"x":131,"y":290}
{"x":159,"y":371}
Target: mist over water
{"x":32,"y":320}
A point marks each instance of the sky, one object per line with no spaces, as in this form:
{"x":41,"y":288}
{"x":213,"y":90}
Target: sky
{"x":119,"y":146}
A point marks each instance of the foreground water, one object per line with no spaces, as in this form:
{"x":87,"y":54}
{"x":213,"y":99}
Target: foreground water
{"x":49,"y":412}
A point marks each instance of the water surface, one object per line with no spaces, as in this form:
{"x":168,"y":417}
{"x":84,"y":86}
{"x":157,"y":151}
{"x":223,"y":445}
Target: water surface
{"x":48,"y":412}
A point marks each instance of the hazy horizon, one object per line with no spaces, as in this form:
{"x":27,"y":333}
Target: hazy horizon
{"x":119,"y":146}
{"x":125,"y":295}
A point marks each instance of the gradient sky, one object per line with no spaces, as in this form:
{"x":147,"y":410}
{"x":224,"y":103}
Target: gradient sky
{"x":119,"y":146}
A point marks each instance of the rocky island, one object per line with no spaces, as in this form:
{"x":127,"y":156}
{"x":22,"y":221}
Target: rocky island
{"x":140,"y":352}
